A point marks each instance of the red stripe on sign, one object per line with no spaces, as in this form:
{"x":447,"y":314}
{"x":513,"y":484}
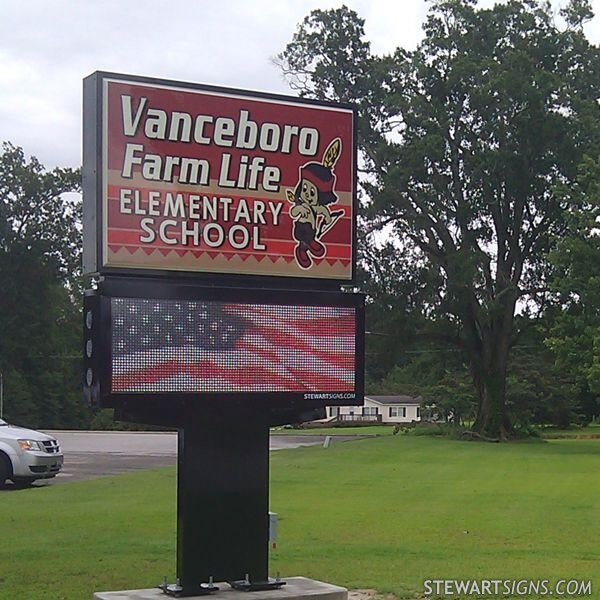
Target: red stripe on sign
{"x":202,"y":370}
{"x":232,"y":347}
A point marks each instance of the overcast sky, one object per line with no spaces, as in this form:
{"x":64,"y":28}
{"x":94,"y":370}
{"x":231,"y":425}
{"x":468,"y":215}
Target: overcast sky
{"x":48,"y":47}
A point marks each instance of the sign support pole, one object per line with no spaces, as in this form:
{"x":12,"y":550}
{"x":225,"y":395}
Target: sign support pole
{"x":222,"y":502}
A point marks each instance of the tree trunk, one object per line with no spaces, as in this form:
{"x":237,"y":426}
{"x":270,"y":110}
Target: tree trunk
{"x":488,"y":345}
{"x":492,"y":418}
{"x":487,"y":330}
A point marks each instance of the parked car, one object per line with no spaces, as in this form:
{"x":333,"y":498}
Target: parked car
{"x":27,"y":455}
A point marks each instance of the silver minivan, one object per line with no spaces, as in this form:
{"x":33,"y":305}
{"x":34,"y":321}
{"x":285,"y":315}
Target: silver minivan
{"x":27,"y":455}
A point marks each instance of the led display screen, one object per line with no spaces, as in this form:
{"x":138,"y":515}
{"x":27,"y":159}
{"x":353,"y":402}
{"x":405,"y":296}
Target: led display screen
{"x":185,"y":346}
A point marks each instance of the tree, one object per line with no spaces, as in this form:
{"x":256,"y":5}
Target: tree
{"x":439,"y":377}
{"x":397,"y":292}
{"x":539,"y":393}
{"x":575,"y":337}
{"x":39,"y":303}
{"x":36,"y":215}
{"x":462,"y":144}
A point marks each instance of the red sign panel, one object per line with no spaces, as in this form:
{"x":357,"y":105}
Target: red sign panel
{"x":200,"y":180}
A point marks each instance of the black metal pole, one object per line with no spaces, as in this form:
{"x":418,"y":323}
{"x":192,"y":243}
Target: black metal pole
{"x":222,"y":498}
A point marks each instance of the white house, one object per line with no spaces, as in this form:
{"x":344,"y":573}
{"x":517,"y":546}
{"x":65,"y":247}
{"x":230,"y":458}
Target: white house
{"x":380,"y":409}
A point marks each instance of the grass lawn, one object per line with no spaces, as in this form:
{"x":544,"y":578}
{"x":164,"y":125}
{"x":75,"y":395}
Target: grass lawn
{"x":386,"y":512}
{"x":591,"y":431}
{"x":364,"y":430}
{"x":69,"y":540}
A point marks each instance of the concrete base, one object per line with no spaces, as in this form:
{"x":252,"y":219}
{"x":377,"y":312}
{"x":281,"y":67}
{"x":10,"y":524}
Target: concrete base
{"x":296,"y":588}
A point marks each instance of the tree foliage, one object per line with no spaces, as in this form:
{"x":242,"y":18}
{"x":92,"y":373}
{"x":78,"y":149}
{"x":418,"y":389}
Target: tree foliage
{"x":575,"y":336}
{"x":463,"y":142}
{"x":36,"y":216}
{"x":39,"y":303}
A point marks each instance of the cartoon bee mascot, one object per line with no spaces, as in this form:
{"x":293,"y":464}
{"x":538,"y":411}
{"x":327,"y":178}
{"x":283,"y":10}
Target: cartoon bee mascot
{"x":311,"y":215}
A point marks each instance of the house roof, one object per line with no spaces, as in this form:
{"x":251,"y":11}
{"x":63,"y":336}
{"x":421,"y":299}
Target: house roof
{"x":390,"y":400}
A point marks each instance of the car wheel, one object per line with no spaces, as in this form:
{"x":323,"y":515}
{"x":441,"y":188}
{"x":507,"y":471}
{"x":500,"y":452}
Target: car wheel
{"x":5,"y":468}
{"x":23,"y":483}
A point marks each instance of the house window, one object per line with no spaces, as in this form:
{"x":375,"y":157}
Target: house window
{"x":334,"y":411}
{"x":397,"y":411}
{"x":418,"y":412}
{"x":370,"y":411}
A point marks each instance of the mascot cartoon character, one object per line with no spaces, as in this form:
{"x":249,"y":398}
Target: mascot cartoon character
{"x":311,"y":198}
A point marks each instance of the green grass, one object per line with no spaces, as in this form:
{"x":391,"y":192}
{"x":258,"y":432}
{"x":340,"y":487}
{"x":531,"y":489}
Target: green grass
{"x":67,"y":541}
{"x":590,"y":431}
{"x":365,"y":430}
{"x":386,"y":512}
{"x":391,"y":512}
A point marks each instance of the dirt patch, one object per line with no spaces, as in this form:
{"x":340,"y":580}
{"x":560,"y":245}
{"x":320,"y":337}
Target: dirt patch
{"x":362,"y":594}
{"x":368,"y":594}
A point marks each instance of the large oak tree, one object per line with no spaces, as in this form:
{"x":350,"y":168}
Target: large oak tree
{"x":463,"y":142}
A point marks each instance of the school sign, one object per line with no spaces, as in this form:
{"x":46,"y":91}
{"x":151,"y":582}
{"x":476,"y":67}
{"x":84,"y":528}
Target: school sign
{"x":199,"y":179}
{"x":219,"y":229}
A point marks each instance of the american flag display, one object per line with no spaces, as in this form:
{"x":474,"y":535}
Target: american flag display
{"x":161,"y":345}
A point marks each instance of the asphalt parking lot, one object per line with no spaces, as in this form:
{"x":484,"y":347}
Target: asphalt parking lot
{"x":91,"y":454}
